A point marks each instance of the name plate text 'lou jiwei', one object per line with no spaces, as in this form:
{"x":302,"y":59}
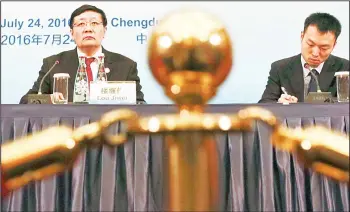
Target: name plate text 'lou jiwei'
{"x":113,"y":92}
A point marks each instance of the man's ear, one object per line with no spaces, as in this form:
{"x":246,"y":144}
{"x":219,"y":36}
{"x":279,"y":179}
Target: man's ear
{"x":301,"y":35}
{"x":105,"y":30}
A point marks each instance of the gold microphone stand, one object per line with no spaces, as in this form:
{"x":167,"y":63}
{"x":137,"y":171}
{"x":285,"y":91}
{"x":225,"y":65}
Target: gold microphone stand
{"x":190,"y":55}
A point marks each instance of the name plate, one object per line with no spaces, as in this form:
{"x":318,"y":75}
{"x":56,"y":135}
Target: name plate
{"x":113,"y":92}
{"x":319,"y":97}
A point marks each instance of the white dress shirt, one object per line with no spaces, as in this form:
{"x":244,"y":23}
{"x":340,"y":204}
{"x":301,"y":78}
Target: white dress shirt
{"x":94,"y":65}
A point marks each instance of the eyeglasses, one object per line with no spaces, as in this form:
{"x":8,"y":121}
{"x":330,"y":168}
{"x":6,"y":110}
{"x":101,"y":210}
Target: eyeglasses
{"x":83,"y":24}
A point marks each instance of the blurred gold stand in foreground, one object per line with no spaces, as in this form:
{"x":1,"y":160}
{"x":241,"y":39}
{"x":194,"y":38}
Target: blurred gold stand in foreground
{"x":190,"y":54}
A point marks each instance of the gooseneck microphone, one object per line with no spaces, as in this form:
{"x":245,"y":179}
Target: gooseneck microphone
{"x":319,"y":96}
{"x":47,"y":73}
{"x":40,"y":98}
{"x":307,"y":66}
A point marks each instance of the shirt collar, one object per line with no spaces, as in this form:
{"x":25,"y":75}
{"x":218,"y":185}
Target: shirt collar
{"x":82,"y":54}
{"x":306,"y":71}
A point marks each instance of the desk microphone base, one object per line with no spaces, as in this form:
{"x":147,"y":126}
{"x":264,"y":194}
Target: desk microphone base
{"x":39,"y":99}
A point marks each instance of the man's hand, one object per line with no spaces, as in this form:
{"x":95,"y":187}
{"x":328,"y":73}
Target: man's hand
{"x":56,"y":97}
{"x":285,"y":98}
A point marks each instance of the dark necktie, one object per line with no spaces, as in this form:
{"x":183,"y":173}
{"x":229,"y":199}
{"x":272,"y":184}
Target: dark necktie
{"x":313,"y":84}
{"x":88,"y":62}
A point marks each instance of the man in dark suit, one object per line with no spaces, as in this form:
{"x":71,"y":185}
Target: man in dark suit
{"x":318,"y":40}
{"x":88,"y":27}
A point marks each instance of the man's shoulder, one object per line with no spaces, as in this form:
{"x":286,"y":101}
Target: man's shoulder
{"x":116,"y":57}
{"x":340,"y":59}
{"x":286,"y":61}
{"x":59,"y":56}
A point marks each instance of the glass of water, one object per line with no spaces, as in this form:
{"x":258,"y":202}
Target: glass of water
{"x":60,"y":88}
{"x":342,"y":86}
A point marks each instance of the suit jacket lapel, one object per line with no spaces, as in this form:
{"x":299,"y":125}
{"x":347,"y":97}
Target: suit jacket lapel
{"x":108,"y":62}
{"x":295,"y":74}
{"x":327,"y":73}
{"x":116,"y":68}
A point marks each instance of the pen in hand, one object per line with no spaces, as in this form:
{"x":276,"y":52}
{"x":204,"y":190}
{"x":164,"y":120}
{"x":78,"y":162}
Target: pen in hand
{"x":287,"y":97}
{"x":284,"y":91}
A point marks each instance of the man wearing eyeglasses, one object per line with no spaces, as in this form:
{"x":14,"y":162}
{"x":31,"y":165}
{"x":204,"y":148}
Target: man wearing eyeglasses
{"x":88,"y":26}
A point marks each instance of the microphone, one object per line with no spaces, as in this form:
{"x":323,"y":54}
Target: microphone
{"x":319,"y":96}
{"x":47,"y":73}
{"x":307,"y":66}
{"x":42,"y":98}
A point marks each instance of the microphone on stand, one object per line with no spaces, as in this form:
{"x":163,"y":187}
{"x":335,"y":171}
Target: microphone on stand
{"x":307,"y":66}
{"x":42,"y":98}
{"x":47,"y":73}
{"x":319,"y":96}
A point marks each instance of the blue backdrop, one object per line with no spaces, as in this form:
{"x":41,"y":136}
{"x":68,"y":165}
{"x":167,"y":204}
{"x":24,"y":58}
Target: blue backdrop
{"x":262,"y":32}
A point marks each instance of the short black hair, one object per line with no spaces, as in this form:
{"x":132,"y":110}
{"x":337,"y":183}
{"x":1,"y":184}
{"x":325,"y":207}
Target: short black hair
{"x":84,"y":8}
{"x":324,"y":23}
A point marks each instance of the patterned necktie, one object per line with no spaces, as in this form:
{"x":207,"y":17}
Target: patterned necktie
{"x":88,"y":62}
{"x":313,"y":84}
